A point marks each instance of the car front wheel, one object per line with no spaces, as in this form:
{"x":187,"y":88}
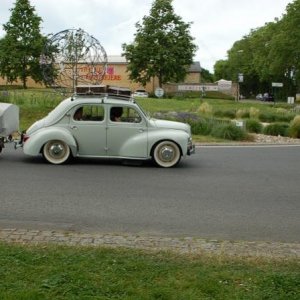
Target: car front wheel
{"x":166,"y":154}
{"x":56,"y":152}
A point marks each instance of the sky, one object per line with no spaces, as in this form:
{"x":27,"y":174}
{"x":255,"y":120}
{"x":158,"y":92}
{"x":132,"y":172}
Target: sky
{"x":216,"y":24}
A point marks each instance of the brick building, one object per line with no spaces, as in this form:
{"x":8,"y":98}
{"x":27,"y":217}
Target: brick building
{"x":116,"y":75}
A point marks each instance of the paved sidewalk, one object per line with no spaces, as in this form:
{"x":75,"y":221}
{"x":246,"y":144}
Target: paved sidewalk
{"x":186,"y":245}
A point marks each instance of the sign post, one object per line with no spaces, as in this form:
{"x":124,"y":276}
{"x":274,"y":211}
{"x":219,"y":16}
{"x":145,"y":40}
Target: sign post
{"x":159,"y":92}
{"x":276,"y":85}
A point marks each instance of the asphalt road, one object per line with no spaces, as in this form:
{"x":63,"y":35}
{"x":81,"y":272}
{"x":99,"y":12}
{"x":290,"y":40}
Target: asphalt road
{"x":236,"y":193}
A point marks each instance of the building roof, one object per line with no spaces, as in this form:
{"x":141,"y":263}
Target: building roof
{"x":195,"y":67}
{"x":118,"y":59}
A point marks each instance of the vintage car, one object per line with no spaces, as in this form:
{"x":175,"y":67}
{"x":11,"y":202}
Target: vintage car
{"x":106,"y":124}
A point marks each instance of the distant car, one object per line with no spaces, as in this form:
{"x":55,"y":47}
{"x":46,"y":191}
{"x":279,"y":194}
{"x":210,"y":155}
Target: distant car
{"x":108,"y":126}
{"x":259,"y":97}
{"x":268,"y":97}
{"x":140,"y":93}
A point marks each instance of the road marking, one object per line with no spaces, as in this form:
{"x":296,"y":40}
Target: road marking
{"x":248,"y":146}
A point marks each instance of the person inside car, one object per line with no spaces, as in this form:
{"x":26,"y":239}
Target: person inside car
{"x":116,"y":113}
{"x":78,"y":114}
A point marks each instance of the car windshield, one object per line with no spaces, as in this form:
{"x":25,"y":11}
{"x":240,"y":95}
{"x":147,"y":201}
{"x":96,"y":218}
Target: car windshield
{"x":145,"y":113}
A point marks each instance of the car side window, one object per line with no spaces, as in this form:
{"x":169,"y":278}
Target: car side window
{"x":89,"y":113}
{"x":124,"y":114}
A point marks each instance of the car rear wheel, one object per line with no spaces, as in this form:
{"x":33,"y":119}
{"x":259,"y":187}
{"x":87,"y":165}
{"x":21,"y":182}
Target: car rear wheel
{"x":56,"y":152}
{"x":166,"y":154}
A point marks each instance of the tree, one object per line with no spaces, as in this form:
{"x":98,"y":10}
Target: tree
{"x":22,"y":45}
{"x":163,"y":46}
{"x":206,"y":76}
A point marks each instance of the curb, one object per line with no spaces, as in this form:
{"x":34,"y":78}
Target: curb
{"x":184,"y":245}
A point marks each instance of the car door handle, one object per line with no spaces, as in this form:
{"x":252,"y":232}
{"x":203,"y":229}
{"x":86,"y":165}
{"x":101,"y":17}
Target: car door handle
{"x":74,"y":127}
{"x":141,"y":130}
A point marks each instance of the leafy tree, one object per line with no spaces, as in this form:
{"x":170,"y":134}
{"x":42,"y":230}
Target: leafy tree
{"x":268,"y":54}
{"x":22,"y":45}
{"x":206,"y":76}
{"x":221,"y":70}
{"x":163,"y":46}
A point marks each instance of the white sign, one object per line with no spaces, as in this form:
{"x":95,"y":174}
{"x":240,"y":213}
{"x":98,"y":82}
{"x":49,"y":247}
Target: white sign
{"x":197,"y":88}
{"x":291,"y":100}
{"x":277,"y":84}
{"x":224,"y":85}
{"x":159,"y":92}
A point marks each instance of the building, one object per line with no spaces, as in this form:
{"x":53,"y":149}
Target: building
{"x":116,"y":75}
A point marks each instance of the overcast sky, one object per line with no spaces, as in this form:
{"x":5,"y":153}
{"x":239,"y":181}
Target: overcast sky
{"x":217,"y":24}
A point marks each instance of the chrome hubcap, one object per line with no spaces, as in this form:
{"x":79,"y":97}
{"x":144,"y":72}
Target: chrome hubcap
{"x":56,"y":150}
{"x":167,"y":153}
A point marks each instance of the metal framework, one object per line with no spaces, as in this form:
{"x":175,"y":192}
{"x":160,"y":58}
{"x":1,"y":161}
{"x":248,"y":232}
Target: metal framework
{"x":73,"y":57}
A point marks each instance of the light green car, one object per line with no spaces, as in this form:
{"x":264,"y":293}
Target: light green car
{"x":107,"y":126}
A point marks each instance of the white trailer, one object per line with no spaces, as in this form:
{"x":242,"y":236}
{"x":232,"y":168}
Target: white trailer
{"x":9,"y":122}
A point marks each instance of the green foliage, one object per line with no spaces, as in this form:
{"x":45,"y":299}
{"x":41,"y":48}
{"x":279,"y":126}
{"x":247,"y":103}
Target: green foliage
{"x":162,"y":46}
{"x":294,"y":130}
{"x":205,"y":108}
{"x":228,"y":113}
{"x":56,"y":272}
{"x":229,"y":132}
{"x":270,"y":117}
{"x":252,"y":125}
{"x":202,"y":127}
{"x":21,"y":47}
{"x":276,"y":129}
{"x":242,"y":113}
{"x":254,"y":112}
{"x":267,"y":54}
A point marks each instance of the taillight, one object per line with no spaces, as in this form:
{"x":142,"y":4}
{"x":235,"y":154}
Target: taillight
{"x":25,"y":138}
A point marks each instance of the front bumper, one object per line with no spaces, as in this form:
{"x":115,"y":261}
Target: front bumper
{"x":191,"y":149}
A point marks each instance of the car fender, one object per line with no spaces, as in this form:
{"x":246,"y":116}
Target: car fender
{"x":34,"y":144}
{"x":178,"y":136}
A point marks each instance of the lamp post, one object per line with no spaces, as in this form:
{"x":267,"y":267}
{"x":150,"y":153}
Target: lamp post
{"x":240,"y":79}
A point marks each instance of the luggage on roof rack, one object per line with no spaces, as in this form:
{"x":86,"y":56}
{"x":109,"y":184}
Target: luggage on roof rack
{"x":121,"y":91}
{"x":91,"y":89}
{"x":103,"y":90}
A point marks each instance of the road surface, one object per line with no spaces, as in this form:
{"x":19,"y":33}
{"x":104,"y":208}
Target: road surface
{"x":236,"y":193}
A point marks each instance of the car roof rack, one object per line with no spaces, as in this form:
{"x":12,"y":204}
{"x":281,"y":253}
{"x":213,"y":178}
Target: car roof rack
{"x":104,"y":90}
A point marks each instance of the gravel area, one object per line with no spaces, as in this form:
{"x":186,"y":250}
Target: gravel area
{"x":180,"y":245}
{"x":269,"y":139}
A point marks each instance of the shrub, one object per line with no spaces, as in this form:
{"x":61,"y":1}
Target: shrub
{"x":242,"y":113}
{"x":205,"y":108}
{"x":273,"y":117}
{"x":254,"y":126}
{"x":294,"y":130}
{"x":229,"y":132}
{"x":202,"y":127}
{"x":267,"y":117}
{"x":276,"y":129}
{"x":254,"y":112}
{"x":225,"y":113}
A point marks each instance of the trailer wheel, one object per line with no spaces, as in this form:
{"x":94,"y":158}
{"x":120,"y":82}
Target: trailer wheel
{"x":56,"y":152}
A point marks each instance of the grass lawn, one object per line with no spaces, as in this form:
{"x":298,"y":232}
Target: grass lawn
{"x":36,"y":103}
{"x":60,"y":272}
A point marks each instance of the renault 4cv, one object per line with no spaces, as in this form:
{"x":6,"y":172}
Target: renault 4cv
{"x":106,"y":122}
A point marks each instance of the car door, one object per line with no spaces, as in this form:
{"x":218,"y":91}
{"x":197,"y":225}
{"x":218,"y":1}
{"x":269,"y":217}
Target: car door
{"x":127,"y":133}
{"x":87,"y":124}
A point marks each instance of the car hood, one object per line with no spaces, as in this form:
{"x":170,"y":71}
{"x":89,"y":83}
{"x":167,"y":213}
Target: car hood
{"x":171,"y":125}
